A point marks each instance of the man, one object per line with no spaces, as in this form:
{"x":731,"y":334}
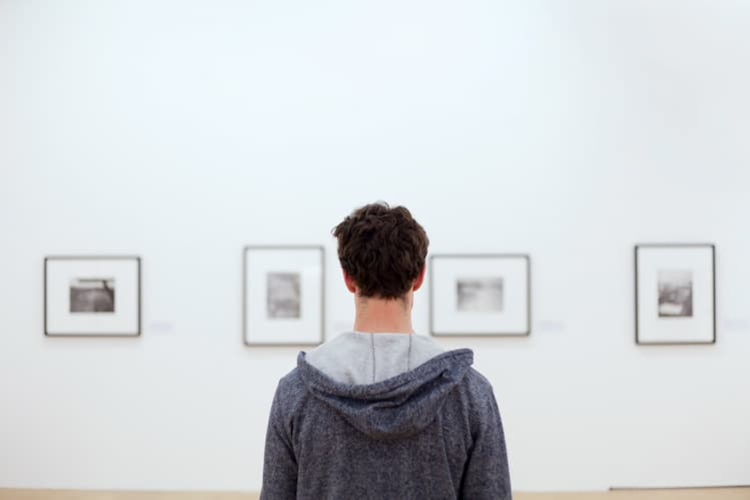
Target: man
{"x":381,"y":412}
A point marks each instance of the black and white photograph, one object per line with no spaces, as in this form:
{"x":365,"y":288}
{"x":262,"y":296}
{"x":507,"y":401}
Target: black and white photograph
{"x":477,"y":294}
{"x":92,"y":296}
{"x":283,"y":295}
{"x":480,"y":294}
{"x":675,"y":294}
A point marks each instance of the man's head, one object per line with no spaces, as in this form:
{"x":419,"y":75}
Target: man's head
{"x":382,"y":251}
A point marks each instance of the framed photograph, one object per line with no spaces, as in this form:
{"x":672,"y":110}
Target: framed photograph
{"x":675,"y":294}
{"x":92,"y":296}
{"x":284,"y":290}
{"x":480,"y":295}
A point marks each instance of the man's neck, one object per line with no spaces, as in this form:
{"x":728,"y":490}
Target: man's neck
{"x":383,"y":316}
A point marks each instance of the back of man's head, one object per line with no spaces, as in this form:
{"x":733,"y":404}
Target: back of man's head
{"x":383,"y":249}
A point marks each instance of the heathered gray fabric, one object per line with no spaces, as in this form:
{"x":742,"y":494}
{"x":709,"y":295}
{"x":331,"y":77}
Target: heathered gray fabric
{"x":367,"y":358}
{"x":433,"y":432}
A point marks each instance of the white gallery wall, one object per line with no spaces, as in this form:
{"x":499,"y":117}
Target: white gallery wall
{"x":181,"y":131}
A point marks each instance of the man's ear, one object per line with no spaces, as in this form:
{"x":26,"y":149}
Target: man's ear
{"x":420,"y":279}
{"x":349,"y":282}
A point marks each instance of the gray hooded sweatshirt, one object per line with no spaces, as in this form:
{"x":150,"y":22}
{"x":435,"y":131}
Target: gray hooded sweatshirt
{"x":385,"y":416}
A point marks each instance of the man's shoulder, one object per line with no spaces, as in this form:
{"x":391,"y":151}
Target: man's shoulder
{"x":291,"y":380}
{"x":477,"y":383}
{"x":291,"y":388}
{"x":479,"y":391}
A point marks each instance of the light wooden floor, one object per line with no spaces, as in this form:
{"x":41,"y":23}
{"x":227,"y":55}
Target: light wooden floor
{"x":691,"y":494}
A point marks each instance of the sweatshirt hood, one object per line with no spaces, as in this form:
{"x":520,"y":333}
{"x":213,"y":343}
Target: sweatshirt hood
{"x":397,"y":407}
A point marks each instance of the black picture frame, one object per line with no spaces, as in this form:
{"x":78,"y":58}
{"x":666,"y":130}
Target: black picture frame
{"x":636,"y":250}
{"x":245,"y":316}
{"x":526,"y":257}
{"x":139,"y":301}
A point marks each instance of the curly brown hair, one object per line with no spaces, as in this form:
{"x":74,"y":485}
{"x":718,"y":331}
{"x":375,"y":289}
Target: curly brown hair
{"x":383,"y":249}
